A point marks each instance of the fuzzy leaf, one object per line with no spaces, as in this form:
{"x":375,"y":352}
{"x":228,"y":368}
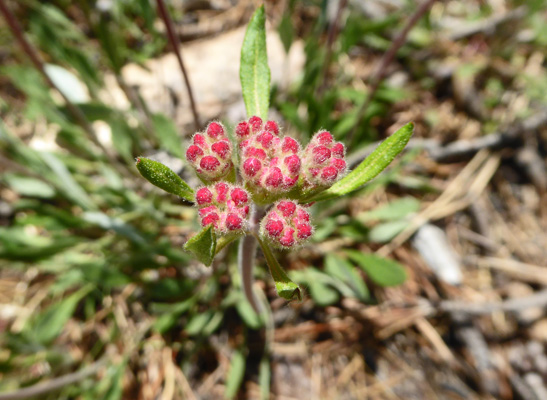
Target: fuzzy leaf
{"x":254,"y":71}
{"x":283,"y":284}
{"x":203,"y":245}
{"x":371,"y":166}
{"x":382,"y":271}
{"x":161,"y":176}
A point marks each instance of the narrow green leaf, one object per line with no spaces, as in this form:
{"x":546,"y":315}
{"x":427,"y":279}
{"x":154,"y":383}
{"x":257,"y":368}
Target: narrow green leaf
{"x":203,"y":245}
{"x":342,"y":269}
{"x":28,"y":186}
{"x":254,"y":71}
{"x":51,"y":322}
{"x":235,"y":374}
{"x":161,"y":176}
{"x":371,"y":166}
{"x":382,"y":271}
{"x":283,"y":284}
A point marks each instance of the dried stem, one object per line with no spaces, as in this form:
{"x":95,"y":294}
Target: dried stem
{"x":174,"y":41}
{"x":388,"y":57}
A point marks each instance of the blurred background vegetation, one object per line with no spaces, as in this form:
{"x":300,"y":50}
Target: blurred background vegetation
{"x":97,"y":298}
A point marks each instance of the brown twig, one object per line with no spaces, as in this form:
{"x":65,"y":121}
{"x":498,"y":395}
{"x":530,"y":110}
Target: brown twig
{"x":388,"y":57}
{"x":41,"y":389}
{"x":174,"y":41}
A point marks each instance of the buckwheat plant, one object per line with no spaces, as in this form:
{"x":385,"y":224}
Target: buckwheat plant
{"x":259,"y":187}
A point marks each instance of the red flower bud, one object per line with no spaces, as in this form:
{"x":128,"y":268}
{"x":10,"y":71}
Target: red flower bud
{"x":242,"y":130}
{"x":233,"y":222}
{"x":193,"y":153}
{"x":286,"y":224}
{"x":214,"y":130}
{"x":271,"y":126}
{"x":209,"y":163}
{"x":204,"y":196}
{"x":255,"y":123}
{"x":222,"y":149}
{"x":251,"y":167}
{"x":239,"y":196}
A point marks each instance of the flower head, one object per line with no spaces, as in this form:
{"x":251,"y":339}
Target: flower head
{"x":286,"y":225}
{"x":268,"y":162}
{"x":211,"y":153}
{"x":324,"y":160}
{"x":224,"y":206}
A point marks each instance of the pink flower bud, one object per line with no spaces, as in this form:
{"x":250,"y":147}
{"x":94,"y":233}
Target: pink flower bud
{"x":239,"y":196}
{"x":293,"y":163}
{"x":274,"y":228}
{"x":271,"y":126}
{"x":255,"y":123}
{"x":210,"y":219}
{"x":274,"y":178}
{"x":222,"y":189}
{"x":215,"y":130}
{"x":199,"y":140}
{"x":338,"y":150}
{"x":209,"y":163}
{"x":329,"y":174}
{"x":286,"y":207}
{"x":222,"y":149}
{"x":289,"y":145}
{"x":203,"y":212}
{"x":320,"y":154}
{"x":193,"y":153}
{"x":204,"y":196}
{"x":324,"y":138}
{"x":233,"y":222}
{"x":251,"y":167}
{"x":265,"y":139}
{"x":242,"y":130}
{"x":255,"y":152}
{"x":286,"y":224}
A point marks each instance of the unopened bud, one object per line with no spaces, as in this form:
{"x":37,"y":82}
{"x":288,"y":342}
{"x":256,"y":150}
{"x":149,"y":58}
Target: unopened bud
{"x":286,"y":224}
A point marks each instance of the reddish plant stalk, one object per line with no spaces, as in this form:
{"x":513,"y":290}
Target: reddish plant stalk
{"x":174,"y":41}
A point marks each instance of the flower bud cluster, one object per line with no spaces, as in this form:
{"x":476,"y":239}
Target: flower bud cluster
{"x":211,"y":153}
{"x":268,"y":161}
{"x":323,"y":160}
{"x":224,"y":206}
{"x":287,"y":224}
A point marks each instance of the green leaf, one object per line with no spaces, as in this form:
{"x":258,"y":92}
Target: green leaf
{"x":342,"y":269}
{"x":371,"y":166}
{"x":394,"y":210}
{"x":27,"y":186}
{"x":235,"y":374}
{"x":283,"y":284}
{"x":386,"y":231}
{"x":161,"y":176}
{"x":51,"y":322}
{"x":254,"y":71}
{"x":203,"y":245}
{"x":382,"y":271}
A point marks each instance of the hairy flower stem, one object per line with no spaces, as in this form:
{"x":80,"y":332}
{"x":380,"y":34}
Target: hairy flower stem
{"x":247,"y":258}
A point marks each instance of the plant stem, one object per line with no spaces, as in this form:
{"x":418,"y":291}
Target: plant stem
{"x":174,"y":41}
{"x":247,"y":258}
{"x":388,"y":57}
